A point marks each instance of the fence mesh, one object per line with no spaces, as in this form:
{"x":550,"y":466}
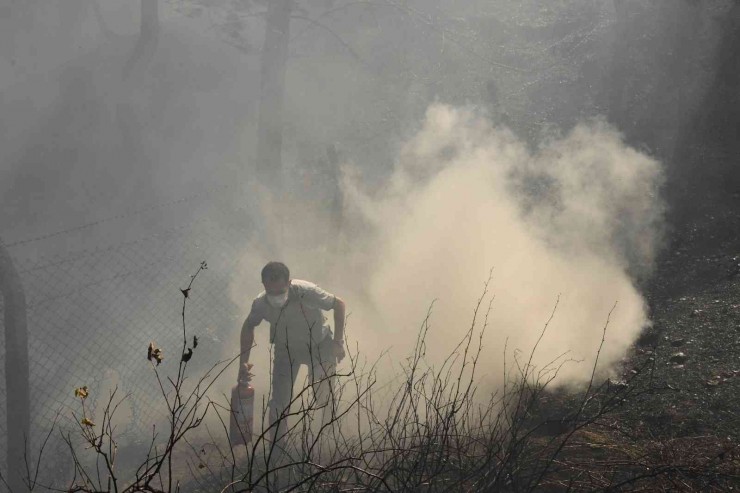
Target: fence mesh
{"x":3,"y":390}
{"x":92,"y":313}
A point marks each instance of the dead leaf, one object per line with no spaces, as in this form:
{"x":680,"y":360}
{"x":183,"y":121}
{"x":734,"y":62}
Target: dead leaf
{"x":81,"y":392}
{"x":154,"y":352}
{"x":87,"y":422}
{"x":187,"y":355}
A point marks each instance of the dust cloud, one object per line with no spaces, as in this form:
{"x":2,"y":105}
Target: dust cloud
{"x":575,"y":222}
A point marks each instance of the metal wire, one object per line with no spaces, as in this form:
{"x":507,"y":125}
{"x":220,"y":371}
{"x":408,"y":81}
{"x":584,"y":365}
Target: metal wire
{"x":92,"y":313}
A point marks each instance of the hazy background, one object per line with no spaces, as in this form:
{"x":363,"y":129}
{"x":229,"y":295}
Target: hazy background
{"x":423,"y":144}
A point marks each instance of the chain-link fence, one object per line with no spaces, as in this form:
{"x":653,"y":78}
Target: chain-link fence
{"x":92,"y":313}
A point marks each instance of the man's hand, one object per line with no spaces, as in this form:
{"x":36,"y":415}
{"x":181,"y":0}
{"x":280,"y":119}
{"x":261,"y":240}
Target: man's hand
{"x":245,"y":372}
{"x":338,"y":348}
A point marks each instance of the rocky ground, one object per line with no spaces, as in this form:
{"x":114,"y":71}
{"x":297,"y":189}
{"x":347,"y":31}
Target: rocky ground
{"x":682,"y":433}
{"x":695,"y":303}
{"x":678,"y":425}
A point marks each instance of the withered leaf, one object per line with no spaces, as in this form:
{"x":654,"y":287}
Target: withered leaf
{"x":154,"y":352}
{"x":81,"y":392}
{"x":158,"y":355}
{"x":87,"y":422}
{"x":187,"y":355}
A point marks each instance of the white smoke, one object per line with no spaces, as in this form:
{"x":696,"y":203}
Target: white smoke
{"x":576,"y":219}
{"x":570,"y":219}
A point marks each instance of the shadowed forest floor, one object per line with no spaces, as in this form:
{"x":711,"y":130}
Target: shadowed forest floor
{"x":682,"y":436}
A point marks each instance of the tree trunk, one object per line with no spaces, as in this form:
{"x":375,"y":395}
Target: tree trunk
{"x":146,"y":45}
{"x":132,"y":127}
{"x":18,"y":400}
{"x":149,"y":18}
{"x":272,"y":94}
{"x":618,"y":81}
{"x":706,"y":152}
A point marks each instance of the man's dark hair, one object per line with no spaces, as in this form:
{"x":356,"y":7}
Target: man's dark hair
{"x":275,"y":271}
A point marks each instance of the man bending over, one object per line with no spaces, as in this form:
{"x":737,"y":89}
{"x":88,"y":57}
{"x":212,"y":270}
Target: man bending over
{"x":299,"y":336}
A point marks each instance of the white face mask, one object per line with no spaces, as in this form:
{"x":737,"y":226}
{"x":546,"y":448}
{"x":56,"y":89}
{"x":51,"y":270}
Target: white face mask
{"x":279,"y":300}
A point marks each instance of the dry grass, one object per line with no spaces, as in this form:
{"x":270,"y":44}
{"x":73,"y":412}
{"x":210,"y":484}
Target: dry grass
{"x":430,"y":430}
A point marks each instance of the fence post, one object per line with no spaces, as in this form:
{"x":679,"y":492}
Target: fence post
{"x":18,"y":399}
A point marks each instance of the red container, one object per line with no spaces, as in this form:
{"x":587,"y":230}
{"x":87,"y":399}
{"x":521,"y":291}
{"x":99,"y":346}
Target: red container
{"x":242,"y":414}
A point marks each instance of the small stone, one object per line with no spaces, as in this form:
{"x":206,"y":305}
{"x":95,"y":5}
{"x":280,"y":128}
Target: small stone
{"x":678,"y":342}
{"x":678,"y":358}
{"x":713,"y":383}
{"x":618,"y":384}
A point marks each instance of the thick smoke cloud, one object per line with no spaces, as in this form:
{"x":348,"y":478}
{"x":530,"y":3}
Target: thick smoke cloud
{"x":576,"y":219}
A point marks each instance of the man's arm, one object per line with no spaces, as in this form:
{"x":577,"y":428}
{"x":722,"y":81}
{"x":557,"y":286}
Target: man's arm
{"x":324,"y":300}
{"x":247,"y":339}
{"x":339,"y":315}
{"x":339,"y":312}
